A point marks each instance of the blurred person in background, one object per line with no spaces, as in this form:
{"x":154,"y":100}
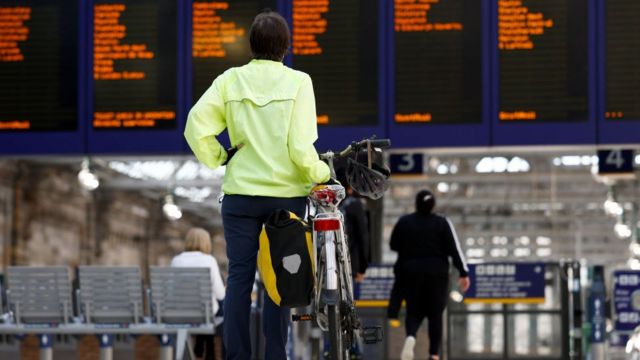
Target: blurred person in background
{"x":197,"y":253}
{"x":356,"y":223}
{"x":269,"y":111}
{"x":424,"y":241}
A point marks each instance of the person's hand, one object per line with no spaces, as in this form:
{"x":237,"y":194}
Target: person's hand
{"x":464,"y":283}
{"x":231,"y":152}
{"x":359,"y":277}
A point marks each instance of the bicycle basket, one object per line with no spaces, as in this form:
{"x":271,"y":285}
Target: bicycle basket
{"x":367,"y":174}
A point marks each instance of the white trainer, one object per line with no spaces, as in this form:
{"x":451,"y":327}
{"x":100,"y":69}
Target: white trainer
{"x":407,"y":349}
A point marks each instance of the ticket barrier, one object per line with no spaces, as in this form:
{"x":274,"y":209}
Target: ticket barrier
{"x":520,"y":325}
{"x":111,"y":304}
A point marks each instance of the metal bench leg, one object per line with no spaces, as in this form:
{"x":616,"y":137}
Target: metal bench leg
{"x":106,"y":347}
{"x":181,"y":341}
{"x":46,"y":347}
{"x":166,"y":348}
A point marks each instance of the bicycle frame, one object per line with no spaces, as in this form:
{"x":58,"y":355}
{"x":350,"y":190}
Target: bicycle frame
{"x":333,"y":297}
{"x":333,"y":306}
{"x":334,"y":255}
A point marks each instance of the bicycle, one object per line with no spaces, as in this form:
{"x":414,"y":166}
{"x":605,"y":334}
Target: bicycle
{"x":333,"y":304}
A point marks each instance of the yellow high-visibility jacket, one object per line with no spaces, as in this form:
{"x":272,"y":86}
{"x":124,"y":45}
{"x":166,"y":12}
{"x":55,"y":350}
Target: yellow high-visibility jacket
{"x":270,"y":110}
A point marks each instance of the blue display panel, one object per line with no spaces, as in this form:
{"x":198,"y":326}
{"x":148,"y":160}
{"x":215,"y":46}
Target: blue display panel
{"x":41,"y":93}
{"x":445,"y":73}
{"x":341,"y":45}
{"x":619,"y":80}
{"x":218,"y":39}
{"x":506,"y":283}
{"x":439,"y":73}
{"x":543,"y":72}
{"x":626,"y":305}
{"x":136,"y":101}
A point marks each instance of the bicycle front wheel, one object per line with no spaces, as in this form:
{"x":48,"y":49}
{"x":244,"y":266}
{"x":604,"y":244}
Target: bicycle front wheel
{"x":335,"y":333}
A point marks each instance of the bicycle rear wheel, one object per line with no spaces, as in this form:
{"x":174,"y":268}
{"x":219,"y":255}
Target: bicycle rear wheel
{"x":335,"y":333}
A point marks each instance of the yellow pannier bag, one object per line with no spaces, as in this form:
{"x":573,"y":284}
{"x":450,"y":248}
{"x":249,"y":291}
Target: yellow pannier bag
{"x":285,"y":259}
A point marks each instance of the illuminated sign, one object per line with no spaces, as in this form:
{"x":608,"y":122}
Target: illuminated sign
{"x":134,"y":64}
{"x":220,"y":38}
{"x":622,"y":38}
{"x":506,"y":283}
{"x":38,"y":65}
{"x":438,"y":65}
{"x":336,"y":43}
{"x":543,"y":60}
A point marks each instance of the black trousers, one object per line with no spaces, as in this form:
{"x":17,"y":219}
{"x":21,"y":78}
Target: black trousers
{"x":395,"y":298}
{"x":426,"y":296}
{"x":205,"y":345}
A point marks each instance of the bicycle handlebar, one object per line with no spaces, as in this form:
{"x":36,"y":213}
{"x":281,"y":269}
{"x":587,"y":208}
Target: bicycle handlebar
{"x":379,"y":143}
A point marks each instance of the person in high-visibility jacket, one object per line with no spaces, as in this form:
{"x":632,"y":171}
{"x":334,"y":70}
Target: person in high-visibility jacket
{"x":269,"y":112}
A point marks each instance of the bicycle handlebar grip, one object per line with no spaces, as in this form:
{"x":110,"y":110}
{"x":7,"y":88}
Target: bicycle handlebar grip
{"x":381,"y":143}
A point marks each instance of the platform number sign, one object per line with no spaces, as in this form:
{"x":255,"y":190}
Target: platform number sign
{"x":615,"y":161}
{"x":407,"y":164}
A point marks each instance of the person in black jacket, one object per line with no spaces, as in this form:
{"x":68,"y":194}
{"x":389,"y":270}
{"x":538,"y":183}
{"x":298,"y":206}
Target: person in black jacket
{"x":357,"y":230}
{"x":424,"y":241}
{"x":356,"y":225}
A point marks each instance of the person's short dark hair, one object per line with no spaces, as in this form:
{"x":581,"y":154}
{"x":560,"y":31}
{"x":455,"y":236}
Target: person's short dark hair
{"x":425,"y":202}
{"x":269,"y":36}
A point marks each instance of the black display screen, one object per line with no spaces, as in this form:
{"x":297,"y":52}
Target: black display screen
{"x":134,"y":64}
{"x":438,"y":67}
{"x":220,"y":37}
{"x":543,"y":60}
{"x":336,"y":43}
{"x":38,"y":65}
{"x":622,"y":51}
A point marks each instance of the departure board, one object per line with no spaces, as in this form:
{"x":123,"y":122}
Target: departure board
{"x":438,"y":67}
{"x":543,"y":60}
{"x":38,"y":65}
{"x":336,"y":43}
{"x":220,"y":37}
{"x":134,"y":64}
{"x":622,"y":51}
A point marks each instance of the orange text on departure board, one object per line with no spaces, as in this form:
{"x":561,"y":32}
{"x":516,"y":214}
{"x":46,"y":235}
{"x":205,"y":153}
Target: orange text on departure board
{"x":308,"y":23}
{"x":517,"y":26}
{"x":323,"y":119}
{"x":517,"y":115}
{"x":413,"y":16}
{"x":210,"y":32}
{"x":15,"y":125}
{"x":13,"y":31}
{"x":108,"y":34}
{"x":614,"y":115}
{"x":130,"y":119}
{"x":413,"y":118}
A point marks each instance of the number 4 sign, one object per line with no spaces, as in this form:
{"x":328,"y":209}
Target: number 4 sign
{"x":615,"y":161}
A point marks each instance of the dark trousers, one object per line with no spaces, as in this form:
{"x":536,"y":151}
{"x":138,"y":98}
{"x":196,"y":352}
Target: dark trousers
{"x":426,"y":296}
{"x":396,"y":297}
{"x":242,"y":218}
{"x":204,"y":347}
